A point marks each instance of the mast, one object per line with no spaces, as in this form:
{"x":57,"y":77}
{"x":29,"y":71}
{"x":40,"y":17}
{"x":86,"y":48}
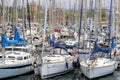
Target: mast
{"x":53,"y":12}
{"x":110,"y":25}
{"x":39,"y":12}
{"x":95,"y":19}
{"x":7,"y":13}
{"x":100,"y":19}
{"x":85,"y":24}
{"x":3,"y":16}
{"x":28,"y":10}
{"x":79,"y":32}
{"x":90,"y":22}
{"x":45,"y":25}
{"x":116,"y":18}
{"x":64,"y":14}
{"x":3,"y":22}
{"x":23,"y":19}
{"x":16,"y":13}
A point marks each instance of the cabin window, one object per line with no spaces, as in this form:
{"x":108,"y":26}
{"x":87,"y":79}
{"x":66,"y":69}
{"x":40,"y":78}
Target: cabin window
{"x":17,"y":49}
{"x":60,"y":51}
{"x":19,"y":58}
{"x":8,"y":49}
{"x":11,"y":57}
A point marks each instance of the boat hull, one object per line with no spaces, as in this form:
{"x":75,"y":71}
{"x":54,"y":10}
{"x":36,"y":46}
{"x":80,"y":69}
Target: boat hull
{"x":94,"y":72}
{"x":11,"y":71}
{"x":54,"y":69}
{"x":117,"y":58}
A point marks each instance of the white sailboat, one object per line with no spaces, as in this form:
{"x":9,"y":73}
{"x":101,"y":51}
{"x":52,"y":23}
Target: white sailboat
{"x":56,"y":62}
{"x":14,"y":60}
{"x":116,"y":54}
{"x":98,"y":66}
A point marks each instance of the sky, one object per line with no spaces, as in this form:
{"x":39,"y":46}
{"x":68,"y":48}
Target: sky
{"x":62,"y":3}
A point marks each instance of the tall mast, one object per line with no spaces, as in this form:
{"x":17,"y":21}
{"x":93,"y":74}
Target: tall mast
{"x":7,"y":12}
{"x":100,"y":18}
{"x":3,"y":22}
{"x":79,"y":32}
{"x":53,"y":13}
{"x":16,"y":13}
{"x":28,"y":10}
{"x":116,"y":18}
{"x":90,"y":22}
{"x":95,"y":19}
{"x":85,"y":21}
{"x":45,"y":25}
{"x":3,"y":16}
{"x":39,"y":11}
{"x":50,"y":14}
{"x":23,"y":18}
{"x":110,"y":25}
{"x":63,"y":13}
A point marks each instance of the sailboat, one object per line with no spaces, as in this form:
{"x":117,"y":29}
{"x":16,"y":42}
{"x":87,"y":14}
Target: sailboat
{"x":56,"y":62}
{"x":14,"y":60}
{"x":116,"y":54}
{"x":99,"y":66}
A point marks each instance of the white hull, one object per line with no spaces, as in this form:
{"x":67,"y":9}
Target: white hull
{"x":15,"y":63}
{"x":54,"y":69}
{"x":10,"y":71}
{"x":98,"y":70}
{"x":117,"y":58}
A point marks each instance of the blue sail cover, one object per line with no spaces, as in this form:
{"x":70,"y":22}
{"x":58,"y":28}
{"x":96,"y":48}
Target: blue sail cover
{"x":17,"y":39}
{"x":56,"y":44}
{"x":52,"y":42}
{"x":5,"y":41}
{"x":17,"y":36}
{"x":98,"y":49}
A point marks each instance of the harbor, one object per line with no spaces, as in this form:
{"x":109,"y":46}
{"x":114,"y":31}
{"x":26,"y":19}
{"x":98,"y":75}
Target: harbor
{"x":73,"y":75}
{"x":60,"y":39}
